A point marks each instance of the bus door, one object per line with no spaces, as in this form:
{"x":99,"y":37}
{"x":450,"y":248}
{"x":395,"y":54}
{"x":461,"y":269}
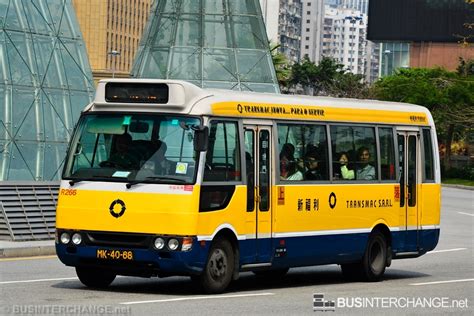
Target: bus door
{"x":258,"y":164}
{"x":409,"y":166}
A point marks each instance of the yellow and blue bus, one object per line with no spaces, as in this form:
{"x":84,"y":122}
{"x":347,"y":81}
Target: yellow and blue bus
{"x":164,"y":178}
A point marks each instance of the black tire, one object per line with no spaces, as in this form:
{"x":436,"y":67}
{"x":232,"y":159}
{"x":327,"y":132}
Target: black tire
{"x":351,"y":271}
{"x":95,"y":278}
{"x":276,"y":273}
{"x":219,"y":267}
{"x":372,"y":266}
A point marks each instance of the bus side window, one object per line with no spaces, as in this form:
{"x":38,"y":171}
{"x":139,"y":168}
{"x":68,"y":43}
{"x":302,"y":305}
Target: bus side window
{"x":358,"y":144}
{"x":223,"y":167}
{"x":428,"y":174}
{"x":303,"y":152}
{"x":223,"y":155}
{"x":387,"y":153}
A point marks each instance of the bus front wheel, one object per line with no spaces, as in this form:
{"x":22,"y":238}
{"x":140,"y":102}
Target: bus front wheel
{"x":219,"y":267}
{"x":94,"y":277}
{"x":372,"y":266}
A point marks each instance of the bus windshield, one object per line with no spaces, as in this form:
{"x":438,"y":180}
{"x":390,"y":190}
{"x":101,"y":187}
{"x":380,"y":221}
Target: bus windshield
{"x":133,"y":148}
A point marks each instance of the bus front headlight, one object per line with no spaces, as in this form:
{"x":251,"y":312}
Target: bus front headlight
{"x":173,"y":244}
{"x":76,"y":239}
{"x":65,"y":238}
{"x":159,"y":243}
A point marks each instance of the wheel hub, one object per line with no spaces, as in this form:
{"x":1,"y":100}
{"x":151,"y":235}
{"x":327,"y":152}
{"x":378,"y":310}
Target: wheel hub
{"x":217,"y":264}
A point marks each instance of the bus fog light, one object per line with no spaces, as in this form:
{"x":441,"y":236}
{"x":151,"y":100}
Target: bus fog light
{"x":187,"y":244}
{"x":173,"y":244}
{"x":65,"y":238}
{"x":76,"y":239}
{"x":159,"y":243}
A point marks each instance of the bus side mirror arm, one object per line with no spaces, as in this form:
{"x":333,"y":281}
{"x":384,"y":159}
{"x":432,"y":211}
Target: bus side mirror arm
{"x":201,"y":138}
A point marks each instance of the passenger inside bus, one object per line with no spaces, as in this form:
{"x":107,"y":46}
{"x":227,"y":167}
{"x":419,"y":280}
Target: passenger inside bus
{"x":163,"y":166}
{"x":365,"y":170}
{"x":122,"y":156}
{"x":288,"y":167}
{"x":312,"y":160}
{"x":346,"y":172}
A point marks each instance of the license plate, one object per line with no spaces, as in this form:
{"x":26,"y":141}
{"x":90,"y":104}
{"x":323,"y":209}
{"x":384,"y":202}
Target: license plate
{"x":114,"y":254}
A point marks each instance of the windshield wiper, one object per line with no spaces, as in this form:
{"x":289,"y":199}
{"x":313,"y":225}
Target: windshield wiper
{"x":96,"y":178}
{"x":74,"y":181}
{"x":153,"y":180}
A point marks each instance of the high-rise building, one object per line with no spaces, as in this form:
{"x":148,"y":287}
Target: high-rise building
{"x":112,"y":32}
{"x":358,"y":5}
{"x":311,"y":29}
{"x":344,"y":37}
{"x":218,"y":44}
{"x":372,"y":62}
{"x":289,"y":28}
{"x":271,"y":16}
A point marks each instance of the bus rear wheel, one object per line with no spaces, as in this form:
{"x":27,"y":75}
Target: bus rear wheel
{"x":219,"y":267}
{"x":95,"y":278}
{"x":372,"y":266}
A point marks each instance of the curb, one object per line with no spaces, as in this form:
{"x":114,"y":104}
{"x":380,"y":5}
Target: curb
{"x":27,"y":251}
{"x":458,"y":186}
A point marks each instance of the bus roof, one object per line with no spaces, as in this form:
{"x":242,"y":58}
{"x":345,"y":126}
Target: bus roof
{"x":186,"y":98}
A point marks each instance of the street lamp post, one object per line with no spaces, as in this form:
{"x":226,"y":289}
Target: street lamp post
{"x":113,"y":53}
{"x":352,"y":19}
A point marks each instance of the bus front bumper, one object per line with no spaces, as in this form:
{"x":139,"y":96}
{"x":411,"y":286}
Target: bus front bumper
{"x":141,"y":262}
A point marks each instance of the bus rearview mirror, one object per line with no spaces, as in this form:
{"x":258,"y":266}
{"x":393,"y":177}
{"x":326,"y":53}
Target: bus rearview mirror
{"x":201,"y":138}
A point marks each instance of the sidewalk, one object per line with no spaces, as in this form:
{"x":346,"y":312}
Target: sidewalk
{"x":11,"y":249}
{"x":457,"y":186}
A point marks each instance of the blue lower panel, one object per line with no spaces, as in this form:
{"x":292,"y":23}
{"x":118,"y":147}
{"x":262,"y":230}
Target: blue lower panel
{"x":314,"y":250}
{"x":329,"y":249}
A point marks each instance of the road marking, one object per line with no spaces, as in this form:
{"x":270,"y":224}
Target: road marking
{"x":442,"y":282}
{"x":38,"y":280}
{"x":468,"y":214}
{"x":208,"y":297}
{"x":446,"y":250}
{"x":28,"y":258}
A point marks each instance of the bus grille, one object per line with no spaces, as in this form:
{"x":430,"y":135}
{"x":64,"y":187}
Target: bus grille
{"x":118,"y":239}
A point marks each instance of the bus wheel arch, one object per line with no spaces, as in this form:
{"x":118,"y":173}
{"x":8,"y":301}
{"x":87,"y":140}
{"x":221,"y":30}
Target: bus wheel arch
{"x":221,"y":264}
{"x":229,"y":235}
{"x":382,"y":228}
{"x":376,"y":258}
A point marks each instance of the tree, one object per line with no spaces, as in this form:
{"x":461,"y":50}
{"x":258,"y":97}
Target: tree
{"x":282,"y":68}
{"x":448,"y":95}
{"x":303,"y":74}
{"x":328,"y":78}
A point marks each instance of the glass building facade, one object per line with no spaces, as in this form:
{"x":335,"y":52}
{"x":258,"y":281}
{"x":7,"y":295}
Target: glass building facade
{"x":45,"y":82}
{"x":393,"y":55}
{"x":211,"y":43}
